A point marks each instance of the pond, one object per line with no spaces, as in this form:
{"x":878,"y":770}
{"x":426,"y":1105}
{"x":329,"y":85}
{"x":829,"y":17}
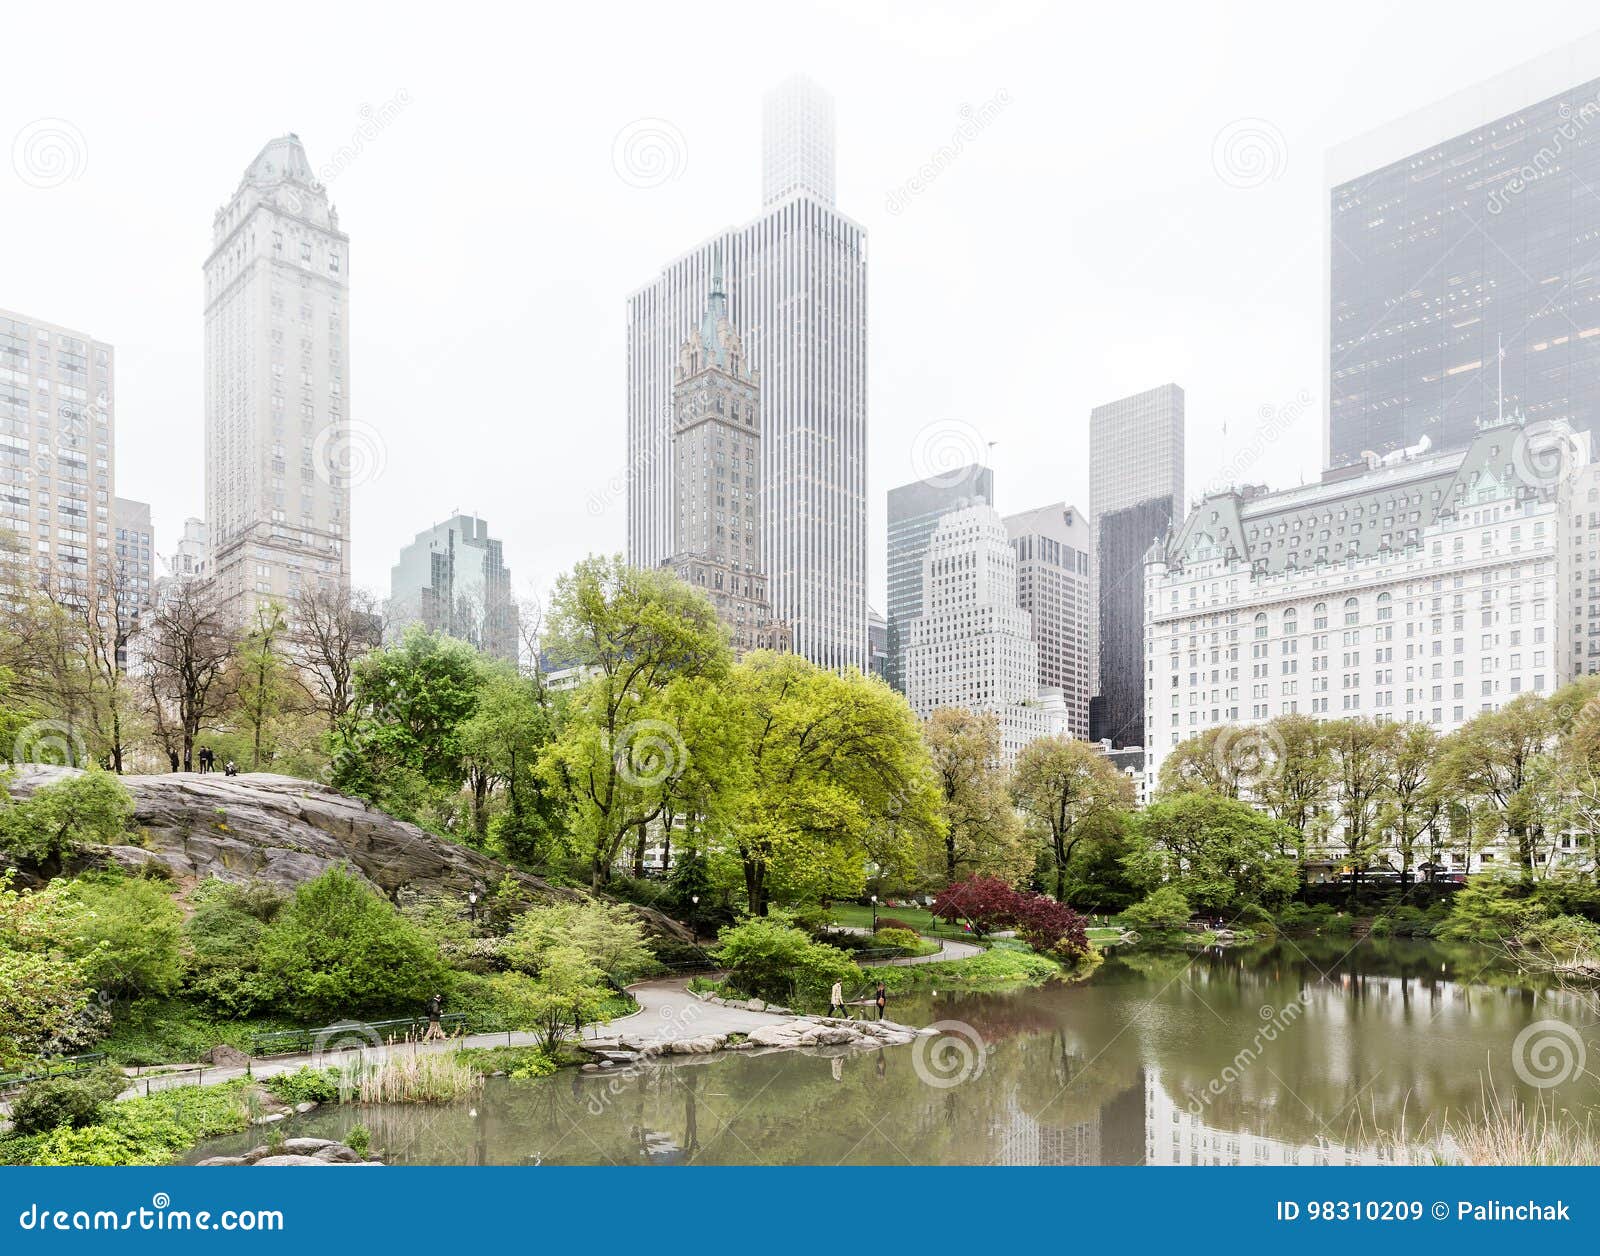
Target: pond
{"x":1301,"y":1051}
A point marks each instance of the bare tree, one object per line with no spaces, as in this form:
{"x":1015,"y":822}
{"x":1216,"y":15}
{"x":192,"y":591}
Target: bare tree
{"x":331,"y":628}
{"x":187,"y":654}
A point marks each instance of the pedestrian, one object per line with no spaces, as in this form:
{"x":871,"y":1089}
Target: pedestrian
{"x":205,"y":760}
{"x":435,"y":1011}
{"x":836,"y":1000}
{"x":232,"y":768}
{"x":881,"y":998}
{"x":172,"y":755}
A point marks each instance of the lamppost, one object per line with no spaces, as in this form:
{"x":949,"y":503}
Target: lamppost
{"x":694,"y":912}
{"x":874,"y":915}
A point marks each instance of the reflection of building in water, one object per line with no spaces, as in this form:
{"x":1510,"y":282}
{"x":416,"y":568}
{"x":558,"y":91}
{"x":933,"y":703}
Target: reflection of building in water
{"x":1176,"y":1136}
{"x":1113,"y":1135}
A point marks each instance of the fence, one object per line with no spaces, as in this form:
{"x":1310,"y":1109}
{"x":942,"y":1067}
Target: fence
{"x":51,"y":1066}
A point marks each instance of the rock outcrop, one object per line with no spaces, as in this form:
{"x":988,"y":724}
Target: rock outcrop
{"x":309,"y":1152}
{"x":281,"y":830}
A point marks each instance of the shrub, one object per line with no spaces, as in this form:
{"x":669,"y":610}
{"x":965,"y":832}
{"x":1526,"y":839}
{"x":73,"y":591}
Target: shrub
{"x":305,"y":1085}
{"x":73,"y":1102}
{"x":340,"y":950}
{"x":609,"y":936}
{"x":770,"y":959}
{"x":1160,"y":911}
{"x":129,"y":936}
{"x":59,"y":818}
{"x":359,"y":1140}
{"x":894,"y":922}
{"x":1050,"y":927}
{"x":905,"y":939}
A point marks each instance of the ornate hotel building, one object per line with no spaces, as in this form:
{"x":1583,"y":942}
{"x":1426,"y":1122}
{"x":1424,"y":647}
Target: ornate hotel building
{"x":277,"y":385}
{"x":796,"y":287}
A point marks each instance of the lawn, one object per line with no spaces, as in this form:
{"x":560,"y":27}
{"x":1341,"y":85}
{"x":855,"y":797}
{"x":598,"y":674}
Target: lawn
{"x":858,"y":917}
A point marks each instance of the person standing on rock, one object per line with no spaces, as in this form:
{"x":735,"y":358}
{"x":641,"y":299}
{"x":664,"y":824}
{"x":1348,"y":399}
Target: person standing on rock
{"x":173,"y":756}
{"x":836,"y":1000}
{"x":435,"y":1011}
{"x":881,"y":998}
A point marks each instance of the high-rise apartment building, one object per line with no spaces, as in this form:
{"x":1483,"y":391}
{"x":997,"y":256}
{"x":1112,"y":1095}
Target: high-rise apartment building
{"x":1052,"y":548}
{"x":277,"y":385}
{"x":796,"y":282}
{"x":453,"y":579}
{"x":57,"y":450}
{"x":973,"y":646}
{"x":1136,"y":467}
{"x":716,"y":475}
{"x":134,"y":538}
{"x":1461,"y":245}
{"x":914,"y":511}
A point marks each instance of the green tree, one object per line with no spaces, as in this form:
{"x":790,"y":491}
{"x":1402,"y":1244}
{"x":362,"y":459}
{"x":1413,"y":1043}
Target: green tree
{"x":1361,"y":754}
{"x":771,"y":959}
{"x":984,"y":835}
{"x":264,"y":682}
{"x":567,"y":994}
{"x":1065,"y":788}
{"x":1498,"y":757}
{"x":1221,"y":854}
{"x":501,"y":742}
{"x":64,"y":816}
{"x":636,"y":633}
{"x":42,"y":989}
{"x":1414,"y":805}
{"x":128,"y":933}
{"x":607,"y":935}
{"x":339,"y":950}
{"x":1296,"y":785}
{"x":1163,"y":910}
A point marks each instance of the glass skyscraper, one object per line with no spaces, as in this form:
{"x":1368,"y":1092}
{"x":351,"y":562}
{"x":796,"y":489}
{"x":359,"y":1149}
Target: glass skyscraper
{"x":1463,"y":249}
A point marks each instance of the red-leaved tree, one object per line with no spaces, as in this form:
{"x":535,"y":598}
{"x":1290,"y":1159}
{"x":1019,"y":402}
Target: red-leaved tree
{"x":987,"y":904}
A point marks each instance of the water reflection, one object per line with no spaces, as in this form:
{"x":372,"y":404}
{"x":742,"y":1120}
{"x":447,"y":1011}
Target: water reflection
{"x":1161,"y":1059}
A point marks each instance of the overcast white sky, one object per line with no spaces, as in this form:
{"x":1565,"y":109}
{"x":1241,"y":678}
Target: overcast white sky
{"x":1084,"y":246}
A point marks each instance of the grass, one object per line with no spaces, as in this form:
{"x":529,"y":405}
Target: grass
{"x":998,"y":969}
{"x":1510,"y":1134}
{"x":855,"y":916}
{"x":409,"y":1077}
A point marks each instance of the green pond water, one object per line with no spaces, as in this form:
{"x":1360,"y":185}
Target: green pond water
{"x":1302,"y":1051}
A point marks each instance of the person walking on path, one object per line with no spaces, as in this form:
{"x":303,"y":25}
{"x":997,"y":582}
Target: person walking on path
{"x":435,"y":1011}
{"x":836,"y":1000}
{"x":881,"y":998}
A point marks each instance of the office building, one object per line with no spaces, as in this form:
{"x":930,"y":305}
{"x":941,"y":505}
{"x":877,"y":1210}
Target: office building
{"x":1460,"y":232}
{"x":453,"y":579}
{"x":877,"y":644}
{"x":914,"y":511}
{"x":716,"y":456}
{"x":796,"y":279}
{"x":134,"y":539}
{"x":277,"y":386}
{"x":1052,"y":547}
{"x":1136,"y":471}
{"x":972,"y":647}
{"x":57,"y":448}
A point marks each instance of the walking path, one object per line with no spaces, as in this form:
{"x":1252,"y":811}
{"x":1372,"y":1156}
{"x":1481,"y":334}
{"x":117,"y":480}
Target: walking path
{"x":948,"y":949}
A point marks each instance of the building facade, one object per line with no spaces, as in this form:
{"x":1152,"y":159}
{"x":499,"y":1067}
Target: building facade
{"x":1421,"y":589}
{"x":1136,"y":458}
{"x":716,"y":477}
{"x":796,"y":281}
{"x":914,"y":511}
{"x":1052,"y":547}
{"x":57,"y":448}
{"x":277,"y":386}
{"x":973,"y":646}
{"x":453,"y":579}
{"x":1460,"y":244}
{"x":134,"y":540}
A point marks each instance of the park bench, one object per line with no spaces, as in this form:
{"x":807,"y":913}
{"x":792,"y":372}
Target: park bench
{"x":51,"y":1066}
{"x":351,"y":1036}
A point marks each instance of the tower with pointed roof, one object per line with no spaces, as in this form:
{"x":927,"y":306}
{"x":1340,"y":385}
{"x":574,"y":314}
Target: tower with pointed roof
{"x":716,"y":456}
{"x":280,"y":443}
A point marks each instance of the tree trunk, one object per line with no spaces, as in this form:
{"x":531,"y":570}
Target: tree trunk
{"x":638,"y":852}
{"x":755,"y":887}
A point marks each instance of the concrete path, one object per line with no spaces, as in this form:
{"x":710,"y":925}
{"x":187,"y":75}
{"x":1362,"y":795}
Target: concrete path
{"x":948,"y":949}
{"x":669,"y":1013}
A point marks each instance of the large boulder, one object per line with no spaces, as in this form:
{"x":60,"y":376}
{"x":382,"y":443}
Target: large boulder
{"x":284,"y":831}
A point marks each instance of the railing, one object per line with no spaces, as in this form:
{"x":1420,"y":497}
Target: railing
{"x":350,"y":1036}
{"x":52,"y":1066}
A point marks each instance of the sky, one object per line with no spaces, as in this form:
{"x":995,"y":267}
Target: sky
{"x":1144,"y":203}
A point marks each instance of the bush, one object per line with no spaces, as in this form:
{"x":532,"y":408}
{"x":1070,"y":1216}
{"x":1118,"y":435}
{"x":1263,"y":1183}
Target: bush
{"x":139,"y":1131}
{"x":359,"y":1140}
{"x":129,"y":935}
{"x":770,"y":959}
{"x":894,"y":922}
{"x":60,"y":818}
{"x":339,"y":950}
{"x":609,"y":936}
{"x":1160,"y":911}
{"x":305,"y":1085}
{"x":73,"y":1102}
{"x":904,"y":939}
{"x":1051,"y":928}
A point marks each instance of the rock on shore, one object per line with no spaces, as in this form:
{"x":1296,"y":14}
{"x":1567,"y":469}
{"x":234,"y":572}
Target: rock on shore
{"x":309,"y":1152}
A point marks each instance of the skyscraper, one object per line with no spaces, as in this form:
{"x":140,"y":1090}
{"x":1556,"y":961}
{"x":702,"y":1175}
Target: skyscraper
{"x":57,"y":449}
{"x":453,"y":579}
{"x":914,"y":511}
{"x":1462,"y":232}
{"x":277,"y":385}
{"x":1136,"y":465}
{"x":716,"y":457}
{"x":972,"y":646}
{"x":135,"y":550}
{"x":797,"y":289}
{"x":1052,"y":548}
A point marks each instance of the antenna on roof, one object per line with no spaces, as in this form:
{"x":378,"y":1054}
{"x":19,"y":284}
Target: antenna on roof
{"x":1500,"y":375}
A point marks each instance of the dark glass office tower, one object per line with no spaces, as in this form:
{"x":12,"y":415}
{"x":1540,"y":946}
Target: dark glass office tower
{"x":1470,"y":226}
{"x":1117,"y":712}
{"x":914,"y":510}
